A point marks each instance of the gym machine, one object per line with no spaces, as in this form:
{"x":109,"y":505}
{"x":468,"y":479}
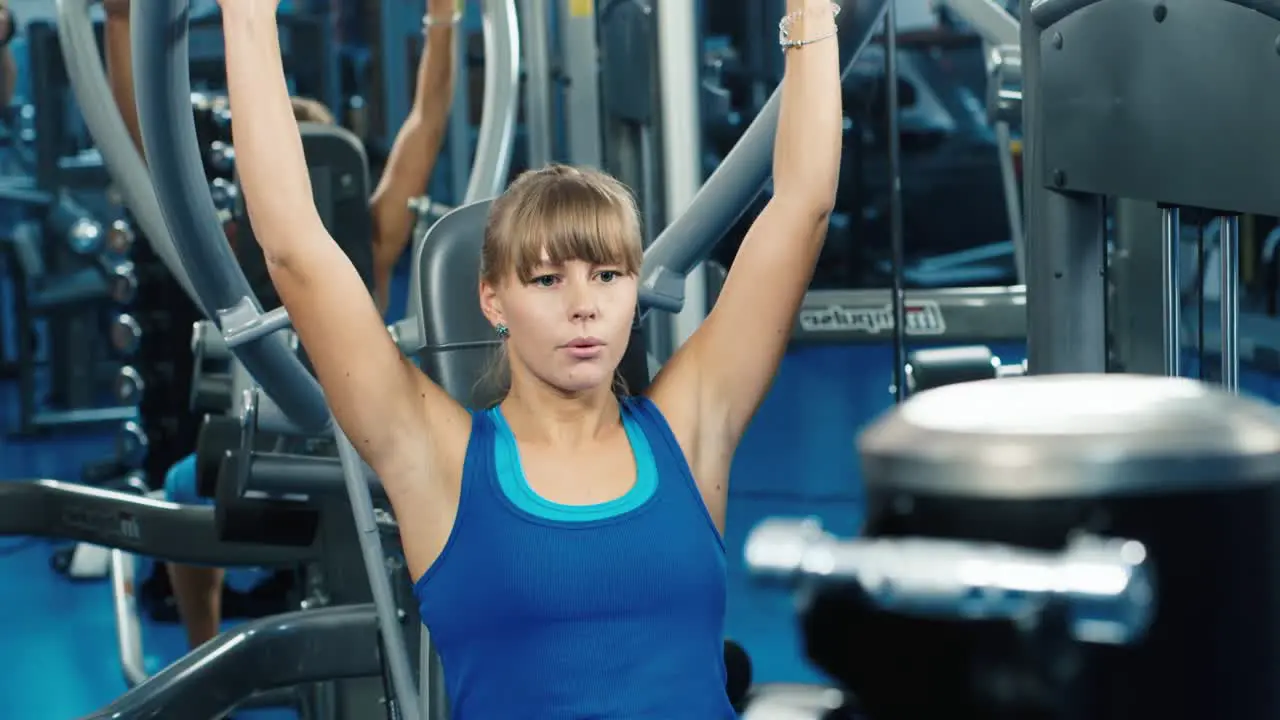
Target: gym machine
{"x":935,"y":367}
{"x":131,"y":524}
{"x":452,"y":243}
{"x":1072,"y":163}
{"x":1015,"y":532}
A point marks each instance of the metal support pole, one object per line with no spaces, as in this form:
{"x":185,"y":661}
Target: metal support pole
{"x":896,"y":237}
{"x":1229,"y":244}
{"x":679,"y":82}
{"x":580,"y":113}
{"x":1065,"y":232}
{"x":534,"y":24}
{"x":1171,"y":305}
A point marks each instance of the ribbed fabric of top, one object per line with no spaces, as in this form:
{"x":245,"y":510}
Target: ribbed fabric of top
{"x":545,"y":611}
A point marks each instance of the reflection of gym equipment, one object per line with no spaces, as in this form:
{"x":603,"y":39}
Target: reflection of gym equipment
{"x":954,"y":190}
{"x":985,"y":586}
{"x":1000,"y":36}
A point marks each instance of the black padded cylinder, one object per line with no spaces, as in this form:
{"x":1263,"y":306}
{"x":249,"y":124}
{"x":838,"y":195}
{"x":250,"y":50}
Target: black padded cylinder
{"x":947,"y":366}
{"x":266,"y":521}
{"x":211,"y":393}
{"x":218,"y":436}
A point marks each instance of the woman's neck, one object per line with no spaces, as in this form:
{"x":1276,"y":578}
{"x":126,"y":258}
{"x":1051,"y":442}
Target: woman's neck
{"x":543,"y":415}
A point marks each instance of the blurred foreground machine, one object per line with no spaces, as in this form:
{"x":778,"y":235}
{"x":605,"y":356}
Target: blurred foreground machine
{"x":1066,"y":547}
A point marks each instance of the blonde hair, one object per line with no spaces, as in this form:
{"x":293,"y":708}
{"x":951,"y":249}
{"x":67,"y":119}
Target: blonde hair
{"x":550,"y":216}
{"x":312,"y":111}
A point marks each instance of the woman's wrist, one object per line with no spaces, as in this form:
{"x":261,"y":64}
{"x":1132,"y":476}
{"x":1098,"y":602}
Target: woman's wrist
{"x":252,"y":14}
{"x":812,"y":21}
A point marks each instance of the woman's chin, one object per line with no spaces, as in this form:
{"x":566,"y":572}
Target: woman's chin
{"x":584,"y":378}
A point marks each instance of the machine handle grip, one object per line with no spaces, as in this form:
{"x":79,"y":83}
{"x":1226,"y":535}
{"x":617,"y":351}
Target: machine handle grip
{"x":1104,"y":583}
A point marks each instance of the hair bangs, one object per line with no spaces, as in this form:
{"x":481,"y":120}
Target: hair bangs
{"x":576,"y":221}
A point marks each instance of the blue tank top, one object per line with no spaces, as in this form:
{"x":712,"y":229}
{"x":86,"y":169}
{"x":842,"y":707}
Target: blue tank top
{"x":609,"y":611}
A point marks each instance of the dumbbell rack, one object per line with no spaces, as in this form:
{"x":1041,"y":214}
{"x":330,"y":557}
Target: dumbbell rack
{"x":161,"y":378}
{"x":62,"y":257}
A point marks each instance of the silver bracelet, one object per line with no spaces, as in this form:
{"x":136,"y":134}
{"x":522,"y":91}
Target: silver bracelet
{"x":784,"y":29}
{"x":429,"y":22}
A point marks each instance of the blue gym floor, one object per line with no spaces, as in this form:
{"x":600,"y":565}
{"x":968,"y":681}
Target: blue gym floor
{"x":797,"y":459}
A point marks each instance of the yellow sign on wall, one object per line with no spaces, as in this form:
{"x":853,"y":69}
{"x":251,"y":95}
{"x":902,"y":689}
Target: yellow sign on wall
{"x":581,"y":8}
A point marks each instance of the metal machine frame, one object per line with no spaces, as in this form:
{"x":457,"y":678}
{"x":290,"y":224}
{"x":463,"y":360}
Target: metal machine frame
{"x":1092,"y":134}
{"x":131,"y":524}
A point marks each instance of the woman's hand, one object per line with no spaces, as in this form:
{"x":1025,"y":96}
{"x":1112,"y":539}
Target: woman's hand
{"x":116,"y":8}
{"x":248,"y":4}
{"x":443,"y":10}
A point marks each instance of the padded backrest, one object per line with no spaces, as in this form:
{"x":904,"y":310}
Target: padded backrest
{"x":459,"y":341}
{"x":339,"y":173}
{"x":340,"y":183}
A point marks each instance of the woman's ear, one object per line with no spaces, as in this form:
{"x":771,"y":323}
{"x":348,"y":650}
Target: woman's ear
{"x":490,"y":304}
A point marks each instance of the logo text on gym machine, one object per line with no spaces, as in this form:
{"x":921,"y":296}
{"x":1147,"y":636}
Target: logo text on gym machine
{"x":924,"y":317}
{"x":109,"y":526}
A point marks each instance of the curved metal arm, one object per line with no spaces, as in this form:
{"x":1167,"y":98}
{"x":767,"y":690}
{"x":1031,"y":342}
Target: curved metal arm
{"x":995,"y":24}
{"x":1270,"y":8}
{"x":497,"y":132}
{"x":128,"y":629}
{"x":728,"y":193}
{"x":1103,"y":583}
{"x":163,"y":530}
{"x":271,"y":652}
{"x":93,"y":94}
{"x":501,"y":93}
{"x":163,"y":83}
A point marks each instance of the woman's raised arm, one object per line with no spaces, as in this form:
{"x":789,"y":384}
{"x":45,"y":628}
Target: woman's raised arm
{"x":719,"y":377}
{"x":380,"y":399}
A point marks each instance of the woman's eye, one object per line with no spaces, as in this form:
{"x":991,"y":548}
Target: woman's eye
{"x":545,"y":280}
{"x":608,"y":276}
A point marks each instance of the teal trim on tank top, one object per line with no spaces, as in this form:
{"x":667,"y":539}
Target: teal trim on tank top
{"x":515,"y":485}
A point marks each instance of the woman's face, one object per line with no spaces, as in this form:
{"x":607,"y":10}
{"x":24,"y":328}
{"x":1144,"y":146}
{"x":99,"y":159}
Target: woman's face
{"x":569,"y":325}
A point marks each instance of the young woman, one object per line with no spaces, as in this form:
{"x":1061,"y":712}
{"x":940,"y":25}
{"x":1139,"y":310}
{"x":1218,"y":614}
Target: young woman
{"x":198,"y":590}
{"x":567,"y":542}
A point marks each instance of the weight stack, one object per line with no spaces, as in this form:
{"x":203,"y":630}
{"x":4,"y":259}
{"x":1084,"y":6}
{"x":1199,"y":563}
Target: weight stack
{"x":164,"y":359}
